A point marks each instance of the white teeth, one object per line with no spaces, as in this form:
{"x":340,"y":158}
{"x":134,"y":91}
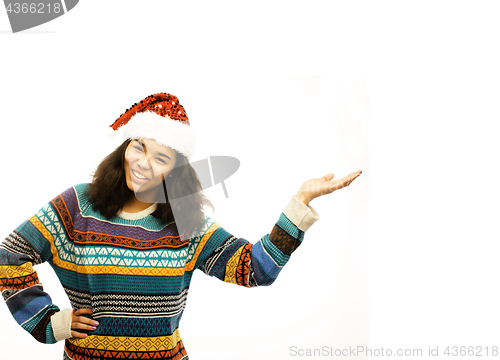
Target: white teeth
{"x":139,"y":175}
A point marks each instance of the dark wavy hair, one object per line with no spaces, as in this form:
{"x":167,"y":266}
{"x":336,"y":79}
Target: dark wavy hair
{"x":109,"y":192}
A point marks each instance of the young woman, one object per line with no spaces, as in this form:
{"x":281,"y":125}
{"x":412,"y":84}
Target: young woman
{"x":126,"y":245}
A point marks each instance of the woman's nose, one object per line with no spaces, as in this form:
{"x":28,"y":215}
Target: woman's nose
{"x":143,"y":162}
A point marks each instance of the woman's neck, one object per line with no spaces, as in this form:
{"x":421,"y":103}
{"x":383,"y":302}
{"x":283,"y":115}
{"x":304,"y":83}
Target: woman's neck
{"x":135,"y":206}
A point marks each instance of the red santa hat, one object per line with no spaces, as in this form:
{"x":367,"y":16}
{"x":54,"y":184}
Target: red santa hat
{"x":159,"y":117}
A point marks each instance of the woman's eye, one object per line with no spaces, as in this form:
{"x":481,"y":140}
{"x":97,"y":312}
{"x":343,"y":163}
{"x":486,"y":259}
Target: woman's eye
{"x":161,"y":160}
{"x":138,"y":148}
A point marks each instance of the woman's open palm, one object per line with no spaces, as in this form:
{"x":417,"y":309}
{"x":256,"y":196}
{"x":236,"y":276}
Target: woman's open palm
{"x":314,"y":188}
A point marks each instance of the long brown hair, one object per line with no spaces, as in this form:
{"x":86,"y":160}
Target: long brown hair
{"x":109,"y":191}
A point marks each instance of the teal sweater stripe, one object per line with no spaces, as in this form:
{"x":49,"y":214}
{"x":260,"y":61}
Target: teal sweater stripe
{"x":276,"y":254}
{"x":151,"y":223}
{"x":49,"y":335}
{"x":113,"y":256}
{"x":290,"y":228}
{"x":100,"y":283}
{"x":31,"y":323}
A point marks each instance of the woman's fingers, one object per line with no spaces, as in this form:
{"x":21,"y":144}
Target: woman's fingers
{"x":328,"y":177}
{"x":345,"y":181}
{"x":79,"y":321}
{"x":84,"y":320}
{"x":82,"y":312}
{"x":83,"y":326}
{"x":78,"y":335}
{"x":350,"y":178}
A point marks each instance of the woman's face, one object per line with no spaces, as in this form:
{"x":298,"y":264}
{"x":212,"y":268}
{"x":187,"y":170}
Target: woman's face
{"x":145,"y":161}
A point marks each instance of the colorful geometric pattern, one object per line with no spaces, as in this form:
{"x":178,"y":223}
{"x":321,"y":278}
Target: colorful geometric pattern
{"x":145,"y":229}
{"x":283,"y":241}
{"x":20,"y":250}
{"x":74,"y":352}
{"x":231,"y":265}
{"x":16,"y":271}
{"x":243,"y":268}
{"x":89,"y":238}
{"x":136,"y":326}
{"x":22,"y":282}
{"x":134,"y":274}
{"x":128,"y":343}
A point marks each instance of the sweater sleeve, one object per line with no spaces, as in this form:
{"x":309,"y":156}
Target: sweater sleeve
{"x":236,"y":260}
{"x":31,"y":243}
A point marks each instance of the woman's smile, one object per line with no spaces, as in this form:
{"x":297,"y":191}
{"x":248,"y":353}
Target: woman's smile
{"x":139,"y":177}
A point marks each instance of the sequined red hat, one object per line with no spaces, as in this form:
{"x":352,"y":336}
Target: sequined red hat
{"x":162,"y":118}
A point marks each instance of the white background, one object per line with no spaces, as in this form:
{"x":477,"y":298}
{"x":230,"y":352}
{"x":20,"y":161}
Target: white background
{"x":283,"y":86}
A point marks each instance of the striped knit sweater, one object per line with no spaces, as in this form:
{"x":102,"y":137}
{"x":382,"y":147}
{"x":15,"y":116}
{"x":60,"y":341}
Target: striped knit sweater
{"x":133,"y":274}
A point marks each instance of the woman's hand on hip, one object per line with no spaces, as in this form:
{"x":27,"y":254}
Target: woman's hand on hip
{"x":80,"y":322}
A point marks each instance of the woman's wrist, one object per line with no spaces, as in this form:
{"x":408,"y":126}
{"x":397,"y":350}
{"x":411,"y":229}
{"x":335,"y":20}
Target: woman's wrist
{"x":61,"y":324}
{"x":301,"y":196}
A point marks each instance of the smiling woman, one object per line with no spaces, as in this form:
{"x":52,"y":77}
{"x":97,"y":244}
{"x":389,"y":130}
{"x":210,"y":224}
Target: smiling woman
{"x":124,"y":252}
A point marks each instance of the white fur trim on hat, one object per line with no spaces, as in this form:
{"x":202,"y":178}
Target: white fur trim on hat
{"x":168,"y":132}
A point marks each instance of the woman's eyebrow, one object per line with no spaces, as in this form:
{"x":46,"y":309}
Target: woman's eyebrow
{"x":162,"y":154}
{"x":140,"y":142}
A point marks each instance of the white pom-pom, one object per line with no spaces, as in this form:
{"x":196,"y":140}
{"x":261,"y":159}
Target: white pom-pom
{"x":111,"y":133}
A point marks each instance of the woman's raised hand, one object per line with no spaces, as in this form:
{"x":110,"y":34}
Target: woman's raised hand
{"x":80,"y":322}
{"x":316,"y":187}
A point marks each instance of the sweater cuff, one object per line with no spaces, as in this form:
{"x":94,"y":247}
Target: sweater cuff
{"x":61,"y":324}
{"x":300,"y":214}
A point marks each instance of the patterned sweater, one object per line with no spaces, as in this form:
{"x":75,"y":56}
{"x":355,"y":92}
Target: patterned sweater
{"x":133,"y":274}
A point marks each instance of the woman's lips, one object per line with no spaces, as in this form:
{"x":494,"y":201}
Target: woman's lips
{"x":137,"y":179}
